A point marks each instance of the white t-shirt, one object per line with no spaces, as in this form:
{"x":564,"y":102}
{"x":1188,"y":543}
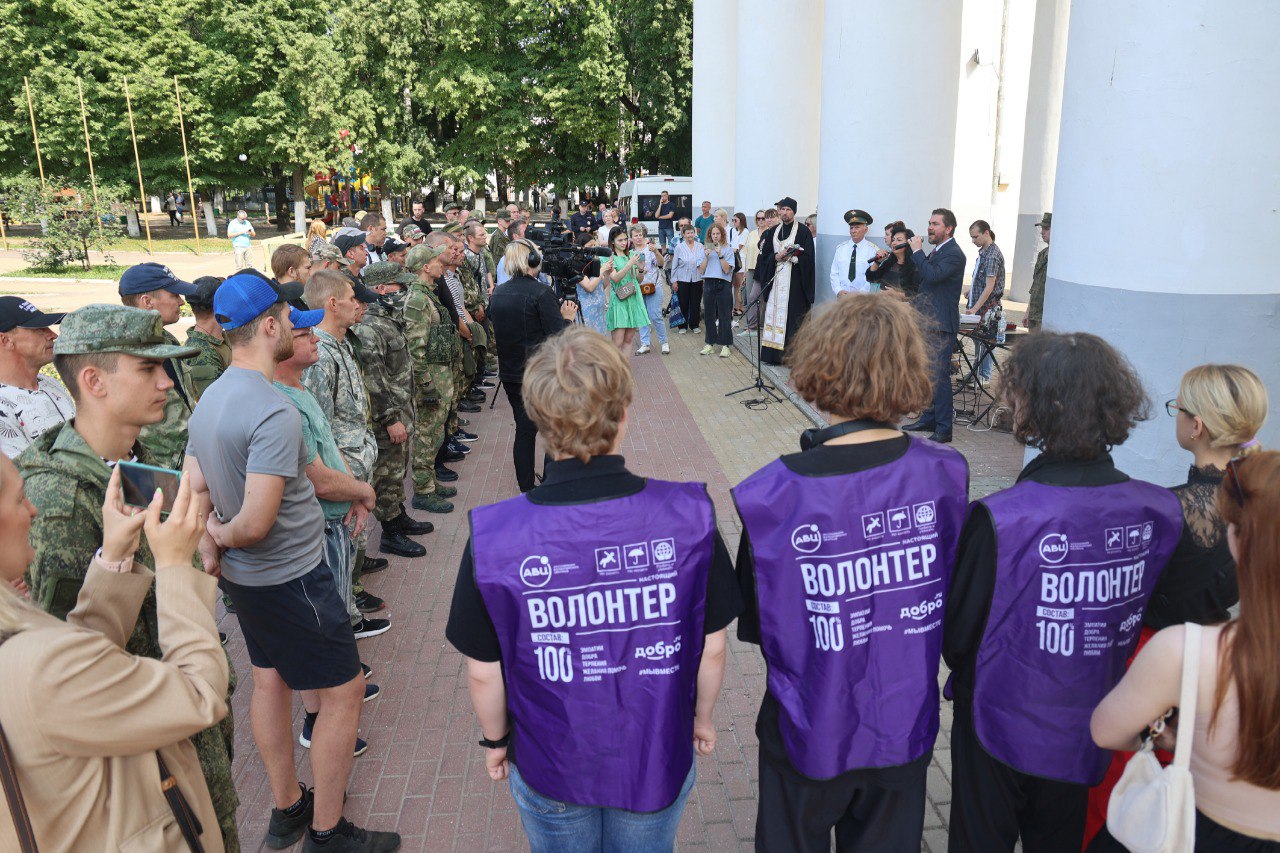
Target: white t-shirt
{"x":25,"y":415}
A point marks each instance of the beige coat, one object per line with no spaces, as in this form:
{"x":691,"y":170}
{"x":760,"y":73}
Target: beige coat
{"x":84,"y":718}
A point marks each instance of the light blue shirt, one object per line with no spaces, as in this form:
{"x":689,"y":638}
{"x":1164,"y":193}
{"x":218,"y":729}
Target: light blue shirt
{"x":714,"y":269}
{"x":239,"y":233}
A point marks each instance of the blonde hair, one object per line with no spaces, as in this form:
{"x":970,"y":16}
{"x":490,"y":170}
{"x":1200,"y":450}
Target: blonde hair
{"x":577,"y":387}
{"x":516,"y":258}
{"x":317,"y":229}
{"x":1229,"y":399}
{"x":324,"y":284}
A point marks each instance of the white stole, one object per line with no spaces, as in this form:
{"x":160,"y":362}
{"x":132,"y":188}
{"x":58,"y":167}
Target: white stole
{"x":775,"y":313}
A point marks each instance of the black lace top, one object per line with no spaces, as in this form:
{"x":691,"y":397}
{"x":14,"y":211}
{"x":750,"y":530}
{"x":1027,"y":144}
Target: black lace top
{"x":1199,"y":584}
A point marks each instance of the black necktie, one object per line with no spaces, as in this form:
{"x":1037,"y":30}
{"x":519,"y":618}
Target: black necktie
{"x":853,"y":263}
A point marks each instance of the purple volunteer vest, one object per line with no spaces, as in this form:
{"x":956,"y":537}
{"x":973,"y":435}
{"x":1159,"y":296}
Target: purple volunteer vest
{"x":1075,"y":567}
{"x":599,"y":610}
{"x":852,"y":574}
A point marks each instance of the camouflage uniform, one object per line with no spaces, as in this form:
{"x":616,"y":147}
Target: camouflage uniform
{"x":208,"y":365}
{"x":388,"y":377}
{"x":475,"y":298}
{"x":166,"y":441}
{"x":498,"y":242}
{"x":1035,"y":302}
{"x":464,"y":360}
{"x":433,"y":340}
{"x":67,"y":482}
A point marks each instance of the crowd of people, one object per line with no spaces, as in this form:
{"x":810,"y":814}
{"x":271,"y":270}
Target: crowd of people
{"x":336,"y":388}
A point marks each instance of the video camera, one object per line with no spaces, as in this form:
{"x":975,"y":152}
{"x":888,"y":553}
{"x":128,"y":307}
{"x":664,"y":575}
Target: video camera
{"x":563,"y":260}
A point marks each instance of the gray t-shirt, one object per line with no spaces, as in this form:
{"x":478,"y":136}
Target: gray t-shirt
{"x":244,"y":425}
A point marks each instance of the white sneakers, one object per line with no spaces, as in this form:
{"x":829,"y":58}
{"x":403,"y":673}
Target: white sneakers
{"x":642,"y":350}
{"x":666,"y":350}
{"x":724,"y":352}
{"x":707,"y":350}
{"x":682,"y":331}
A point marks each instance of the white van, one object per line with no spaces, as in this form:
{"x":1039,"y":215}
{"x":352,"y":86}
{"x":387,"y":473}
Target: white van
{"x":639,"y":198}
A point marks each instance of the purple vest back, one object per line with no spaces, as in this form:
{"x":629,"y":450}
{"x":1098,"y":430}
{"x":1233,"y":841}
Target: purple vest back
{"x":852,"y":573}
{"x":599,"y":610}
{"x":1075,"y":567}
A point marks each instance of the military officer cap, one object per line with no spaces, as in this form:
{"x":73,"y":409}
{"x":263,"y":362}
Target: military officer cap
{"x":420,"y":256}
{"x":1047,"y":221}
{"x":453,"y":205}
{"x":117,"y":328}
{"x":330,"y":253}
{"x":857,"y":217}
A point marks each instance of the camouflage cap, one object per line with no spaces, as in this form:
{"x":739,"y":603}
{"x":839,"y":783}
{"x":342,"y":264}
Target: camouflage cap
{"x":477,"y":215}
{"x":453,"y":205}
{"x":382,"y":272}
{"x":117,"y":328}
{"x":452,"y":228}
{"x":1047,"y":221}
{"x":420,"y":256}
{"x":410,"y":232}
{"x":330,"y":253}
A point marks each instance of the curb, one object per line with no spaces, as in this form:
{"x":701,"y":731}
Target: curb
{"x":778,"y":377}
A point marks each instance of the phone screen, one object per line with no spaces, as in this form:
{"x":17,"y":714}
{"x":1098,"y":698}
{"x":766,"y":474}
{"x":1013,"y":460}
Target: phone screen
{"x":139,"y":482}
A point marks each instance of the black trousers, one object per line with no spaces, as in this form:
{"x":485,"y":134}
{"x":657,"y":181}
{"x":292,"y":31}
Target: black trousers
{"x":717,"y":301}
{"x":794,"y":815}
{"x":690,"y":294}
{"x":992,"y":805}
{"x":522,"y":451}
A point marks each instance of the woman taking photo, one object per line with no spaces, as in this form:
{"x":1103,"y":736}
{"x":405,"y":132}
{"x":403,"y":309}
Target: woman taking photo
{"x":852,"y":643}
{"x":98,"y":735}
{"x":650,"y":290}
{"x":1039,"y":629}
{"x":1235,"y":750}
{"x":622,"y":272}
{"x":717,"y":301}
{"x":593,"y":295}
{"x":634,"y":673}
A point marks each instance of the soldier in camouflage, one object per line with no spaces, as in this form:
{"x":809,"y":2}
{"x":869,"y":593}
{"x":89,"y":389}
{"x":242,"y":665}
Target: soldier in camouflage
{"x":388,"y":377}
{"x":478,"y":277}
{"x":121,"y":352}
{"x":432,"y":338}
{"x":475,"y":342}
{"x":1035,"y":302}
{"x":500,"y":238}
{"x":206,"y":335}
{"x":154,"y":287}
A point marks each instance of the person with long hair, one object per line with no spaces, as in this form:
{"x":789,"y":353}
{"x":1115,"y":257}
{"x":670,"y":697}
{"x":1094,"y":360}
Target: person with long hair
{"x":717,"y":300}
{"x":87,"y":723}
{"x":1235,"y":753}
{"x":987,"y":290}
{"x":623,"y":271}
{"x":845,"y":560}
{"x":634,"y":676}
{"x":738,"y":240}
{"x":317,"y":239}
{"x":1039,"y":628}
{"x":896,"y":269}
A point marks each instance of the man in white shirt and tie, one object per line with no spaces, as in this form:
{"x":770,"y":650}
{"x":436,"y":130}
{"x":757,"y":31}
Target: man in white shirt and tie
{"x":849,"y":266}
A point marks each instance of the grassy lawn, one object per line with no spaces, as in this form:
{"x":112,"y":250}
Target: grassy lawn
{"x":110,"y":272}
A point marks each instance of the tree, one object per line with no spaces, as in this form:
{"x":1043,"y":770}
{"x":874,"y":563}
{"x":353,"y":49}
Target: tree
{"x":72,"y":222}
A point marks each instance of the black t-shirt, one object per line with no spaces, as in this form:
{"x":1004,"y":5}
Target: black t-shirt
{"x":570,"y":481}
{"x":665,"y":207}
{"x":820,"y":461}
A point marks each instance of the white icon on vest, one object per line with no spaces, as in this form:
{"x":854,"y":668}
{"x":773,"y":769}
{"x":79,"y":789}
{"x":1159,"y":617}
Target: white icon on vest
{"x":664,"y":550}
{"x":607,"y":560}
{"x":873,"y":524}
{"x":1053,"y":548}
{"x":535,"y":571}
{"x":1114,"y":539}
{"x":900,"y":519}
{"x":636,"y":557}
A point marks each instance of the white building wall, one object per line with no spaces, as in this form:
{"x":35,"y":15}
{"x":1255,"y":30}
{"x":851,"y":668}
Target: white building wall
{"x":715,"y":66}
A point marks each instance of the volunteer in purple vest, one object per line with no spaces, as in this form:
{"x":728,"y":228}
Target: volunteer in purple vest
{"x":845,"y":559}
{"x":1046,"y":606}
{"x":592,"y":611}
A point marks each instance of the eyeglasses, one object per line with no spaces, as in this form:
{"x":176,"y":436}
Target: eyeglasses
{"x":759,"y":219}
{"x":1172,"y":408}
{"x":1233,"y":477}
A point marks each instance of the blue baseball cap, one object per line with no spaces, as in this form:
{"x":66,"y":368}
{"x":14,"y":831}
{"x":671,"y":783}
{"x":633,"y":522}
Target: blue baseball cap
{"x":305,"y":319}
{"x":148,"y":277}
{"x":244,"y":297}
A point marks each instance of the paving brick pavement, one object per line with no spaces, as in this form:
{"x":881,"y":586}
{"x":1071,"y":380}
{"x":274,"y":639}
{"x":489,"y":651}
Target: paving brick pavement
{"x":423,"y":774}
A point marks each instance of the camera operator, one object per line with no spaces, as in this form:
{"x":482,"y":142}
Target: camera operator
{"x":524,"y":314}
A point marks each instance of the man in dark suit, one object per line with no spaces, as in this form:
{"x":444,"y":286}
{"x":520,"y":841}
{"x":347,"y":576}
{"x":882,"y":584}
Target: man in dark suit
{"x":941,"y":280}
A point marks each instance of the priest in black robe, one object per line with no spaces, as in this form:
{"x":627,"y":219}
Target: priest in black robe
{"x":787,"y":262}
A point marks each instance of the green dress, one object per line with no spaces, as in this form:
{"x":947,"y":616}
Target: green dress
{"x":629,"y":313}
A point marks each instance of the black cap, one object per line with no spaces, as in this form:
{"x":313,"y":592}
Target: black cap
{"x":206,"y":286}
{"x":18,"y":313}
{"x":392,"y":245}
{"x":362,"y":291}
{"x":347,"y":242}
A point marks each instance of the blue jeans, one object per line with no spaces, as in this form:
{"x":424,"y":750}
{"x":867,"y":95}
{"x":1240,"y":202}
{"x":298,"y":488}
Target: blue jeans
{"x":555,"y":827}
{"x":653,"y":304}
{"x":666,"y":232}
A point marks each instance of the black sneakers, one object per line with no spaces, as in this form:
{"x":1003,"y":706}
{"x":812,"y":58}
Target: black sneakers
{"x":367,"y":627}
{"x":289,"y":825}
{"x":346,"y":837}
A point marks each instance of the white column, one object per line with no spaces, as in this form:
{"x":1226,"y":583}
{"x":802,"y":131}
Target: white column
{"x":1040,"y":142}
{"x":388,"y":214}
{"x":887,"y":137}
{"x":1163,"y":225}
{"x":131,"y":222}
{"x":299,"y":217}
{"x":715,"y":66}
{"x":210,"y":225}
{"x":779,"y":75}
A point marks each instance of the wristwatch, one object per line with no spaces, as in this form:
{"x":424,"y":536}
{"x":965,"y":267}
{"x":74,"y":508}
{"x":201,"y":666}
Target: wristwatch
{"x":500,"y":743}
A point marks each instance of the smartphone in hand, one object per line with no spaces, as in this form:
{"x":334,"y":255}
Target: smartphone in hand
{"x":139,"y":482}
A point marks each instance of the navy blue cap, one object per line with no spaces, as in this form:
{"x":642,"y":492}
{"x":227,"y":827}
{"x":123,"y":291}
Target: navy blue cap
{"x":149,"y":277}
{"x":18,"y":313}
{"x":305,"y":319}
{"x":244,"y":297}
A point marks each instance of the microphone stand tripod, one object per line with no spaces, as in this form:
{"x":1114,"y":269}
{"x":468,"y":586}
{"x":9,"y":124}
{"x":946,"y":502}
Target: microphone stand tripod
{"x":760,"y":384}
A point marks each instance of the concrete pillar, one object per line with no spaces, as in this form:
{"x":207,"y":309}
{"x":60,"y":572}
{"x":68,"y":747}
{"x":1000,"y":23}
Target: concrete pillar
{"x":388,"y":214}
{"x":155,"y":204}
{"x":1144,"y":192}
{"x":779,"y":71}
{"x":220,"y":201}
{"x":888,"y":153}
{"x":299,"y":217}
{"x":715,"y":66}
{"x":1040,"y":142}
{"x":131,"y":222}
{"x":210,"y":224}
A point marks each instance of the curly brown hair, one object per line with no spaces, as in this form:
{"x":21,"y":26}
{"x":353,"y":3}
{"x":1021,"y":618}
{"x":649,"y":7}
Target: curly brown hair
{"x":1073,"y":395}
{"x":863,"y":356}
{"x":577,"y":386}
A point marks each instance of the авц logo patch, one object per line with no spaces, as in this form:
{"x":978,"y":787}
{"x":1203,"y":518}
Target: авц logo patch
{"x":1053,"y":548}
{"x":535,"y":571}
{"x":806,"y":538}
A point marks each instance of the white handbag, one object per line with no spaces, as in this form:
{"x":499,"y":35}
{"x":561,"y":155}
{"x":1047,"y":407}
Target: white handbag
{"x":1153,"y":808}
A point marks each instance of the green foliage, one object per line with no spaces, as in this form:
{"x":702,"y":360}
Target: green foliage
{"x":72,"y":222}
{"x":570,"y":92}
